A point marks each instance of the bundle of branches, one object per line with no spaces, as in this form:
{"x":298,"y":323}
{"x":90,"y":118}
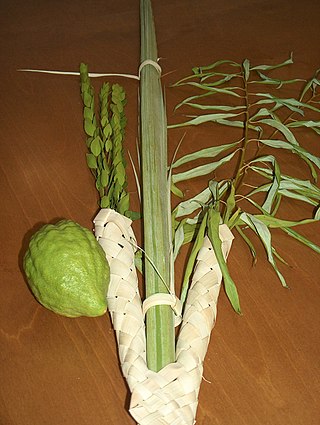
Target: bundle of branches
{"x":164,"y":372}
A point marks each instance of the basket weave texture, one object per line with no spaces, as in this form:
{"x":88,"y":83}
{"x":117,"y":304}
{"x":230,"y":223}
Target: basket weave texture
{"x":169,"y":396}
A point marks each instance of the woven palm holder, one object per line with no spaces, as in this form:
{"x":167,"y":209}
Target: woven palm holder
{"x":169,"y":396}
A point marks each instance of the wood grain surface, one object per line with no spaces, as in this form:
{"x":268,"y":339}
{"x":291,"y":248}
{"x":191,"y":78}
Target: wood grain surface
{"x":261,"y":368}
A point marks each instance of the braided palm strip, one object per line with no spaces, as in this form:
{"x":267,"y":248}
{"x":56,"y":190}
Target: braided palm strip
{"x":114,"y":233}
{"x":169,"y":396}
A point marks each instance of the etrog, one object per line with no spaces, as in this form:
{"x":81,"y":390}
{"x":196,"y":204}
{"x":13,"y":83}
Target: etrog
{"x":67,"y":270}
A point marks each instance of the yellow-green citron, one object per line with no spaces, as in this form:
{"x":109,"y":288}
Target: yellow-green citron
{"x":67,"y":270}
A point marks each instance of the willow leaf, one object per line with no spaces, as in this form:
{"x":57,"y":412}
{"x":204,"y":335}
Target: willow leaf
{"x":262,"y":112}
{"x":248,"y":242}
{"x":289,"y":189}
{"x":192,"y":258}
{"x":190,"y":230}
{"x":289,"y":182}
{"x":284,"y":192}
{"x":204,"y":153}
{"x":282,"y":128}
{"x":274,"y":188}
{"x":289,"y":102}
{"x":176,"y":191}
{"x":192,"y":98}
{"x":214,"y":107}
{"x":264,"y":158}
{"x":226,"y":77}
{"x":288,"y":61}
{"x":178,"y":239}
{"x":230,"y":204}
{"x":299,"y":197}
{"x":202,"y":169}
{"x":275,"y":223}
{"x":302,"y":239}
{"x":189,"y":206}
{"x":303,"y":153}
{"x":216,"y":83}
{"x":292,"y":104}
{"x":205,"y":118}
{"x":310,"y":124}
{"x":228,"y":91}
{"x":264,"y":234}
{"x":310,"y":85}
{"x":234,"y":219}
{"x":199,"y":69}
{"x":213,"y":233}
{"x":239,"y":124}
{"x":264,"y":79}
{"x":246,"y":69}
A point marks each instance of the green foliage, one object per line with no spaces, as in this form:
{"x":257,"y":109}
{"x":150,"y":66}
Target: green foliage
{"x":253,"y":101}
{"x":105,"y":137}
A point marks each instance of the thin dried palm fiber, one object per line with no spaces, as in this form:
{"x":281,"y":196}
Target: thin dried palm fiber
{"x":169,"y":396}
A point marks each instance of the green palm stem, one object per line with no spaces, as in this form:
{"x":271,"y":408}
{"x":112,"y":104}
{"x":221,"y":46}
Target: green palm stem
{"x":156,"y":206}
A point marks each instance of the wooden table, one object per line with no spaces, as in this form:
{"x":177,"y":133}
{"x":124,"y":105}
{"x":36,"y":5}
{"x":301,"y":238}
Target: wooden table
{"x":263,"y":367}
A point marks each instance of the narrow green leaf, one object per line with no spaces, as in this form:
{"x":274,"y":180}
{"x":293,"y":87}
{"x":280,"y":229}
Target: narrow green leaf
{"x":302,"y":239}
{"x":213,"y":233}
{"x":178,"y":239}
{"x":246,"y":68}
{"x":274,"y":222}
{"x":309,"y":124}
{"x":200,"y":69}
{"x":192,"y":98}
{"x":190,"y":230}
{"x":248,"y":242}
{"x":309,"y":85}
{"x":186,"y":208}
{"x":192,"y":258}
{"x":204,"y":153}
{"x":265,"y":236}
{"x":274,"y":188}
{"x":234,"y":219}
{"x":176,"y":191}
{"x":225,"y":108}
{"x":201,"y":119}
{"x":230,"y":204}
{"x":282,"y":128}
{"x":303,"y":153}
{"x":288,"y":61}
{"x":201,"y":170}
{"x":230,"y":91}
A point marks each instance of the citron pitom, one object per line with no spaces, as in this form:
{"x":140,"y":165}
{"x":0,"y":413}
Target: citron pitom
{"x":67,"y":270}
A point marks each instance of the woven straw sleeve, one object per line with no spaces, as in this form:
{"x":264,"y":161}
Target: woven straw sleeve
{"x":169,"y":396}
{"x":114,"y":233}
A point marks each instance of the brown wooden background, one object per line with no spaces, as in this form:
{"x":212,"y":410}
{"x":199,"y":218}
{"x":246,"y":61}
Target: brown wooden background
{"x":264,"y":366}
